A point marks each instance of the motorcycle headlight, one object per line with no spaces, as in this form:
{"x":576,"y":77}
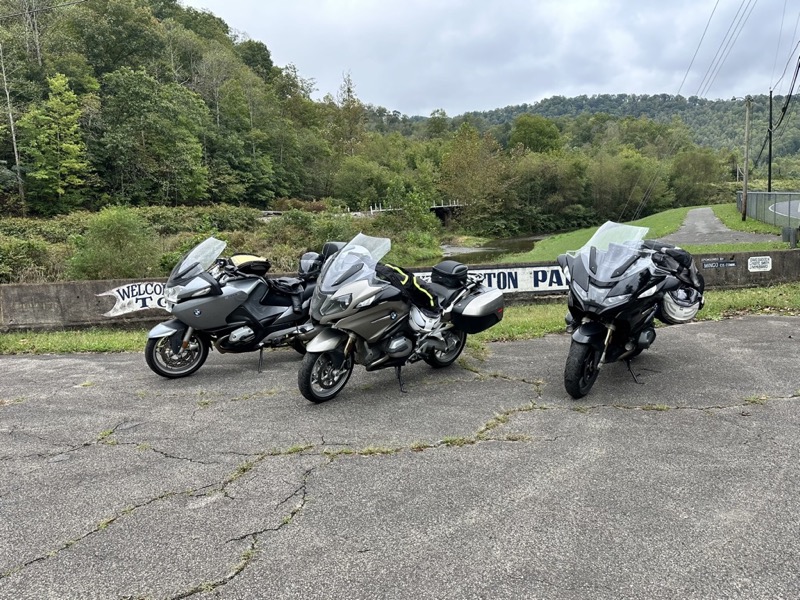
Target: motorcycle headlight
{"x":171,"y":293}
{"x":334,"y":304}
{"x":614,"y":300}
{"x":648,"y":292}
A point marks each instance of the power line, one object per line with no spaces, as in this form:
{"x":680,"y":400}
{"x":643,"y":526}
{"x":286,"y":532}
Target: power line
{"x":698,"y":46}
{"x":751,"y":4}
{"x":38,"y":10}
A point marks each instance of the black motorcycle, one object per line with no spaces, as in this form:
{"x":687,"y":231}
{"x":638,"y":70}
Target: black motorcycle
{"x":619,"y":284}
{"x":232,"y":305}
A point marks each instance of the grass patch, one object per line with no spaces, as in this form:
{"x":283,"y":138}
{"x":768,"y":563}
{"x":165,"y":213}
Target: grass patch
{"x":548,"y":249}
{"x":74,"y":341}
{"x":732,"y":218}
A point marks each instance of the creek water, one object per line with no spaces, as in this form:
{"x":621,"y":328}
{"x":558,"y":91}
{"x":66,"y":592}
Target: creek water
{"x":491,"y":251}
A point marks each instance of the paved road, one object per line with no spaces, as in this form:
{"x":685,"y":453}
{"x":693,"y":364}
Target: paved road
{"x":485,"y":480}
{"x":702,"y":226}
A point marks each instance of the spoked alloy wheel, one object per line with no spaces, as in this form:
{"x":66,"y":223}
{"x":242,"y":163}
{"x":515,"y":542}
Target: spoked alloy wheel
{"x":455,"y":340}
{"x":582,"y":369}
{"x":322,"y":375}
{"x":163,"y":361}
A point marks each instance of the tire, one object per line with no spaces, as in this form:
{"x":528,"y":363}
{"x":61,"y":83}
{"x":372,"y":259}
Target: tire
{"x":581,"y":370}
{"x":319,"y":379}
{"x":456,"y":341}
{"x":164,"y":362}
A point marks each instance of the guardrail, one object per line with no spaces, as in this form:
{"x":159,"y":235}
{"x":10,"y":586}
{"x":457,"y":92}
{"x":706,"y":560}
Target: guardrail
{"x":79,"y":304}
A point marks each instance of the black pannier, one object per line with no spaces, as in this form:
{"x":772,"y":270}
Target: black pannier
{"x":449,"y":273}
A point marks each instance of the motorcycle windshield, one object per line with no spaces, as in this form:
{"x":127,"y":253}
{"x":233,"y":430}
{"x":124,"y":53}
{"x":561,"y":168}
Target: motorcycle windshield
{"x":355,"y":262}
{"x":197,"y":260}
{"x":612,"y":249}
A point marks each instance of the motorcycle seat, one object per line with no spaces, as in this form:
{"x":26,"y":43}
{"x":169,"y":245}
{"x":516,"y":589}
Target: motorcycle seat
{"x":445,"y":295}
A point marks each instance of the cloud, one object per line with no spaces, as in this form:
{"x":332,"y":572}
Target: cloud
{"x":463,"y":55}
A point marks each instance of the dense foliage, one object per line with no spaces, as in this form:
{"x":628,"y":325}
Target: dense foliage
{"x":147,"y":103}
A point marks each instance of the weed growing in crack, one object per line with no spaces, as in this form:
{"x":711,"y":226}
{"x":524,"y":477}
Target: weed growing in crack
{"x":420,"y":446}
{"x":457,"y":441}
{"x":373,"y":451}
{"x":298,"y":448}
{"x":517,"y":437}
{"x":204,"y":403}
{"x":339,"y":452}
{"x":85,"y":384}
{"x":659,"y":407}
{"x":580,"y":409}
{"x":143,"y":447}
{"x":494,"y":423}
{"x":107,"y":437}
{"x":757,"y":399}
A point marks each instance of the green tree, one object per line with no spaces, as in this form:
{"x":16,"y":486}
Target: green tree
{"x":475,"y":174}
{"x":151,"y":144}
{"x":535,"y":133}
{"x":257,"y":56}
{"x":695,"y":177}
{"x":113,"y":34}
{"x":53,"y":151}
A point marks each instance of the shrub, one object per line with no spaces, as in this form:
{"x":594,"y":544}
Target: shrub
{"x":118,"y":244}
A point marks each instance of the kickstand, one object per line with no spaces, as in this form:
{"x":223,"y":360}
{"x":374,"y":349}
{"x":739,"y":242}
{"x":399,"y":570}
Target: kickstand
{"x":260,"y":358}
{"x":628,"y":362}
{"x":398,"y":371}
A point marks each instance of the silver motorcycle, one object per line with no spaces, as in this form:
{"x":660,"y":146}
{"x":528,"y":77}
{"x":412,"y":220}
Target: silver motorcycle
{"x":362,"y":318}
{"x":231,"y":305}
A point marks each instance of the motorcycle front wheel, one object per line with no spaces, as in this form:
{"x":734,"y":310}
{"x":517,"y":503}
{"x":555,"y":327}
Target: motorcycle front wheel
{"x":163,"y":361}
{"x":322,"y":375}
{"x":582,"y":369}
{"x":455,"y":340}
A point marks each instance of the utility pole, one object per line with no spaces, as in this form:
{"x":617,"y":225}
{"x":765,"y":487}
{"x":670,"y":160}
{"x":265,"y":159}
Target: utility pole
{"x":746,"y":155}
{"x":769,"y":153}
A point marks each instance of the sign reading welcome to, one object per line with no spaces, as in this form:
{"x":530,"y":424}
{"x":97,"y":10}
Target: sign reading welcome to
{"x":136,"y":296}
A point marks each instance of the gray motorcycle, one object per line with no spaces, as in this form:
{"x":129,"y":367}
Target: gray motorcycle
{"x":362,"y":318}
{"x":230,"y":304}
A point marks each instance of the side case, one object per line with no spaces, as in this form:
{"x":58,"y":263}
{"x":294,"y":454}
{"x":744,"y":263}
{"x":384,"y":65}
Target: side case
{"x":482,"y":309}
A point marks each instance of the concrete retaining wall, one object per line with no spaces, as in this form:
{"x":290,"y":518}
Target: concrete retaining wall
{"x":72,"y":305}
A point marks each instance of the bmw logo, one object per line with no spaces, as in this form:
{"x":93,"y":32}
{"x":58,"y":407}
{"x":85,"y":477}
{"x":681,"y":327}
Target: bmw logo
{"x":197,"y":312}
{"x":393,"y":315}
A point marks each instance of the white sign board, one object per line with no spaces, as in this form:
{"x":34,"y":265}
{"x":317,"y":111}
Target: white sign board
{"x":759,"y":264}
{"x":136,"y":296}
{"x":544,"y":279}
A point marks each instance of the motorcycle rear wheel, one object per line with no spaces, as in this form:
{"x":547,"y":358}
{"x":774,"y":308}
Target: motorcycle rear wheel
{"x":582,"y":369}
{"x":456,"y":341}
{"x":163,"y":361}
{"x":319,"y":377}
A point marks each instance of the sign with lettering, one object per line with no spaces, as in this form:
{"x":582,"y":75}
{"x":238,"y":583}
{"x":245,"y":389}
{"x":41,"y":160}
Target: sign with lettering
{"x":136,"y":296}
{"x":545,"y":279}
{"x":759,"y":264}
{"x":718,"y":263}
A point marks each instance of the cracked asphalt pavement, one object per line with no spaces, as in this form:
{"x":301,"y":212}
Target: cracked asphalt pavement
{"x":484,"y":480}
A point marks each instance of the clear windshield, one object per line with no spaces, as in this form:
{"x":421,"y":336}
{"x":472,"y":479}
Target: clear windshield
{"x":356,"y":261}
{"x":612,"y":249}
{"x":197,"y":260}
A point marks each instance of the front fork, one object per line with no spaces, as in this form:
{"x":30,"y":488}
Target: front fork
{"x":609,"y":333}
{"x":589,"y":331}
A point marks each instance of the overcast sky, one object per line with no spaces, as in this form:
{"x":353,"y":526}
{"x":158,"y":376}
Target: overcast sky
{"x":416,"y":56}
